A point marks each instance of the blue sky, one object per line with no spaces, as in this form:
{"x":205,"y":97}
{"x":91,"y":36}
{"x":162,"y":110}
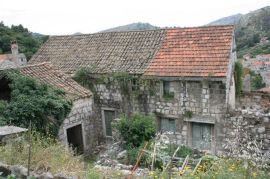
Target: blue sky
{"x":59,"y":17}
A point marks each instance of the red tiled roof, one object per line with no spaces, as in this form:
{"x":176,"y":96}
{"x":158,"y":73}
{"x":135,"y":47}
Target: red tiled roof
{"x":46,"y":73}
{"x":193,"y":52}
{"x":3,"y":57}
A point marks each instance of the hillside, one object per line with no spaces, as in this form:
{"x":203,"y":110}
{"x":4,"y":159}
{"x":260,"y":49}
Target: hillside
{"x":249,"y":30}
{"x":28,"y":42}
{"x":227,"y":20}
{"x":133,"y":26}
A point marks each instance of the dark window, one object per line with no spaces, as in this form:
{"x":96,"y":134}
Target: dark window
{"x":166,"y":90}
{"x":5,"y":90}
{"x":167,"y":124}
{"x":109,"y":115}
{"x":135,"y":85}
{"x":166,"y":87}
{"x":201,"y":136}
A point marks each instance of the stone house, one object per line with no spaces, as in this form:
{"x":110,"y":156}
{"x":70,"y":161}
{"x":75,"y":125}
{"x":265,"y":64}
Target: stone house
{"x":191,"y":70}
{"x":77,"y":129}
{"x":14,"y":59}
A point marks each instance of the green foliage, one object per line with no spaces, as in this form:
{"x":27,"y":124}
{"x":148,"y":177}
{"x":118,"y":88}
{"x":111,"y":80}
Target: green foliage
{"x":136,"y":129}
{"x":250,"y":29}
{"x":257,"y":81}
{"x":188,"y":114}
{"x":28,"y":44}
{"x":168,"y":96}
{"x":43,"y":105}
{"x":82,"y":76}
{"x":238,"y":77}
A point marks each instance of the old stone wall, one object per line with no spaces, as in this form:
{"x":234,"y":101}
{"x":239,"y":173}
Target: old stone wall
{"x":247,"y":125}
{"x":250,"y":120}
{"x":193,"y":101}
{"x":82,"y":113}
{"x":254,"y":100}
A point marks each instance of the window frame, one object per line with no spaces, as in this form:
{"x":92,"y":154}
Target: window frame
{"x":166,"y":93}
{"x":168,"y":119}
{"x":212,"y":135}
{"x":103,"y":119}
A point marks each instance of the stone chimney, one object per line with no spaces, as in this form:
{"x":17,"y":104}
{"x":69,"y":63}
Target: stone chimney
{"x":18,"y":59}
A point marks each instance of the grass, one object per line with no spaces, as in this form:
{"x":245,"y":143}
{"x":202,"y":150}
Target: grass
{"x":46,"y":155}
{"x":50,"y":155}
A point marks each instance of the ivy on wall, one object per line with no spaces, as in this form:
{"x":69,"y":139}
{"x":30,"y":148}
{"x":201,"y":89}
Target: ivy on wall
{"x":129,"y":85}
{"x":45,"y":106}
{"x":238,"y":77}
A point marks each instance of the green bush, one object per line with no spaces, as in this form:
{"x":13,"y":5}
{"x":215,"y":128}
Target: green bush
{"x":43,"y":105}
{"x":257,"y":81}
{"x":136,"y":129}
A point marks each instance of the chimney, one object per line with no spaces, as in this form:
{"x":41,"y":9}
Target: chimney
{"x":14,"y":49}
{"x":18,"y":59}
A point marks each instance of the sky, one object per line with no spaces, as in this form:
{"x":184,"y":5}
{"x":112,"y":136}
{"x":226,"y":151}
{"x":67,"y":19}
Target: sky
{"x":61,"y":17}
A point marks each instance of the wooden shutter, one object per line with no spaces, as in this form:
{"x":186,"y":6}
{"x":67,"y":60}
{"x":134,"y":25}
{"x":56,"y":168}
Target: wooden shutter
{"x":201,"y":136}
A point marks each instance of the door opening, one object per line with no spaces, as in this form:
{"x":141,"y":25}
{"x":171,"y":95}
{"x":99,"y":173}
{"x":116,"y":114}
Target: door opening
{"x":75,"y":138}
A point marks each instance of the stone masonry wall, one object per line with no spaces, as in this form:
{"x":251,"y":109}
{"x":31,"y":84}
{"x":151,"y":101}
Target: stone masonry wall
{"x":251,"y":117}
{"x":204,"y":99}
{"x":82,"y":113}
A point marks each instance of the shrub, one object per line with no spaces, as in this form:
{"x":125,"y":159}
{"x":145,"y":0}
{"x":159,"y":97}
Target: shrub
{"x":136,"y":129}
{"x":257,"y":81}
{"x":46,"y":107}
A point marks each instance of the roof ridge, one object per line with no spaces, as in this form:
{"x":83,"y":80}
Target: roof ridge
{"x":146,"y":30}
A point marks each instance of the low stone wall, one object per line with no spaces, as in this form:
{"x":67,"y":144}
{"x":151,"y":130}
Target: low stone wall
{"x":254,"y":100}
{"x":244,"y":126}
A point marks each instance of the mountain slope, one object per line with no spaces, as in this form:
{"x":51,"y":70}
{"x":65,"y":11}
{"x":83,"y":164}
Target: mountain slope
{"x":133,"y":26}
{"x":250,"y":29}
{"x":227,"y":20}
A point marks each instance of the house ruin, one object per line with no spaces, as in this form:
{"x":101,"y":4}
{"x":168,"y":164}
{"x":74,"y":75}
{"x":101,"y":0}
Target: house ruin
{"x":191,"y":70}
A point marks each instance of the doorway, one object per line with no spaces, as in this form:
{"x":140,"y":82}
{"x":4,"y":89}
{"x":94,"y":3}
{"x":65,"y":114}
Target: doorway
{"x":75,"y":138}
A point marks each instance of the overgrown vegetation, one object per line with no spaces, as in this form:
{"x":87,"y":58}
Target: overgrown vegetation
{"x":238,"y":77}
{"x":47,"y":155}
{"x":257,"y":81}
{"x":28,"y":43}
{"x":45,"y":106}
{"x":136,"y":129}
{"x":130,"y":86}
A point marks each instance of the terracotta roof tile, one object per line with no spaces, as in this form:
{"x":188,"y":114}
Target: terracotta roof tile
{"x":4,"y":57}
{"x":193,"y":52}
{"x":197,"y":51}
{"x":106,"y":52}
{"x":48,"y":74}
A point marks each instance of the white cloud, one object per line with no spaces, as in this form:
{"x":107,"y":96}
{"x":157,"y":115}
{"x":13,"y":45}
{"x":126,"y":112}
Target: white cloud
{"x":87,"y":16}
